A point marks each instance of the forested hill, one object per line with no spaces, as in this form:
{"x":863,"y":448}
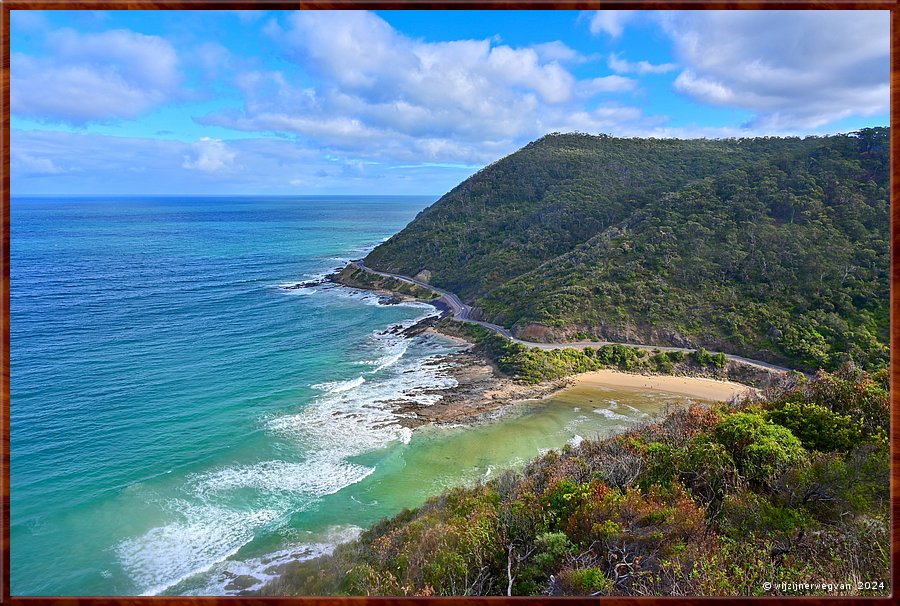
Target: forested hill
{"x":776,"y":248}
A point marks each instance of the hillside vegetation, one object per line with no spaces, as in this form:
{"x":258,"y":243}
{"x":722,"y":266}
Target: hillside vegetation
{"x":531,"y":365}
{"x":773,"y":248}
{"x":792,"y":489}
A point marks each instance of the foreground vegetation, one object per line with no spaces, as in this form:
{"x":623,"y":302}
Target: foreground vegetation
{"x":775,"y":249}
{"x":790,"y":489}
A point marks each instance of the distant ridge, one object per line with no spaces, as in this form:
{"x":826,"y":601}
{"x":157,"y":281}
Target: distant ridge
{"x":774,"y":248}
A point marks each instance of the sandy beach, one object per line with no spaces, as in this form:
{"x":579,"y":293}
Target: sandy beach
{"x":707,"y":389}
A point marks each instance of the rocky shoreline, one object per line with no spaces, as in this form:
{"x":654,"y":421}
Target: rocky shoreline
{"x":481,"y":389}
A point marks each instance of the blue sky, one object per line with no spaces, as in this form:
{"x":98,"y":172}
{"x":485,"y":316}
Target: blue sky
{"x":407,"y":102}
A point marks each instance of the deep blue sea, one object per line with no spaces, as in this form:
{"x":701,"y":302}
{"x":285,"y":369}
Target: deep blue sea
{"x":182,"y":421}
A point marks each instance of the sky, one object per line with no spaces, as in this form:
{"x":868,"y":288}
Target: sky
{"x":407,"y":102}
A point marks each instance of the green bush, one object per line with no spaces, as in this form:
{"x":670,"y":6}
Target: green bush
{"x":662,"y":465}
{"x":588,"y":581}
{"x":759,"y":447}
{"x":709,"y":471}
{"x":817,"y":427}
{"x":676,"y":356}
{"x":751,"y":513}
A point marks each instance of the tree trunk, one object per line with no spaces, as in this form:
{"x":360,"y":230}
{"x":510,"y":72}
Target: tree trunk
{"x":509,"y":564}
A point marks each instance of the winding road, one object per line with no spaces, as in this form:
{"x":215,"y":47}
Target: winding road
{"x":460,"y":311}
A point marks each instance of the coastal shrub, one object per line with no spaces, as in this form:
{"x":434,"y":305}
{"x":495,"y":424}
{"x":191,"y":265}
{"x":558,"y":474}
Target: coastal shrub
{"x":622,"y":357}
{"x":831,"y":485}
{"x":733,"y":567}
{"x":705,"y":358}
{"x":585,"y":581}
{"x":849,"y":391}
{"x":652,"y":522}
{"x":681,"y":425}
{"x":817,"y":427}
{"x":701,"y":356}
{"x":676,"y":356}
{"x":552,"y":550}
{"x":662,"y":363}
{"x":709,"y":472}
{"x":663,"y":463}
{"x":748,"y":513}
{"x":719,"y":360}
{"x":759,"y":447}
{"x":564,"y":497}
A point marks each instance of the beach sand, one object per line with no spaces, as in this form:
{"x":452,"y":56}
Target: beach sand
{"x":707,"y":389}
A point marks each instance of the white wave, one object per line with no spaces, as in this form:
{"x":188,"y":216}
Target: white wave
{"x":354,"y":421}
{"x":201,"y":535}
{"x":302,"y":292}
{"x":205,"y":534}
{"x":576,"y":440}
{"x":267,"y":567}
{"x":313,"y":478}
{"x":393,"y":358}
{"x":574,"y":424}
{"x":611,"y":415}
{"x":340,"y":386}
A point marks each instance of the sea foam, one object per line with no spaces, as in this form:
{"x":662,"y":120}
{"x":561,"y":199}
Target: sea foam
{"x":266,"y":568}
{"x":612,"y":415}
{"x":349,"y":418}
{"x":340,"y":386}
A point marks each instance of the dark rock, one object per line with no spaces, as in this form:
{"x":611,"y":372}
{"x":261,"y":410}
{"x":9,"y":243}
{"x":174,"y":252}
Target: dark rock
{"x":245,"y":581}
{"x":307,"y":284}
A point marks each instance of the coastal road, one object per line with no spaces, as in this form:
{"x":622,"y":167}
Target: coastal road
{"x":460,"y":311}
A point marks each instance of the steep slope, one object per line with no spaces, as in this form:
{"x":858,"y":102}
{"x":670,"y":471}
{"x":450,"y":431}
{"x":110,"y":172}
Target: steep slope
{"x":775,"y":248}
{"x":543,"y":200}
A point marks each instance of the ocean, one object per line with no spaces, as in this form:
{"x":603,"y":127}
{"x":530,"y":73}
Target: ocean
{"x":184,"y":419}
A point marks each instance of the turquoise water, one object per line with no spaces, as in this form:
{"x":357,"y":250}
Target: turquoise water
{"x":179,"y":417}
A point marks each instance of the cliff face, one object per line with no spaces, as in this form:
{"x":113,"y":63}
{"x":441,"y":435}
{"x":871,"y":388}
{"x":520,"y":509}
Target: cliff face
{"x":772,"y":248}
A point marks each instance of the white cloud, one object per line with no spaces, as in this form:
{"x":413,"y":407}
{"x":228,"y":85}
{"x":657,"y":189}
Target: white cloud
{"x":561,"y":52}
{"x":607,"y":84}
{"x":796,"y":70}
{"x":610,"y":22}
{"x":211,"y":156}
{"x":370,"y":90}
{"x":623,"y":66}
{"x":93,"y":77}
{"x":213,"y":59}
{"x":24,"y":163}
